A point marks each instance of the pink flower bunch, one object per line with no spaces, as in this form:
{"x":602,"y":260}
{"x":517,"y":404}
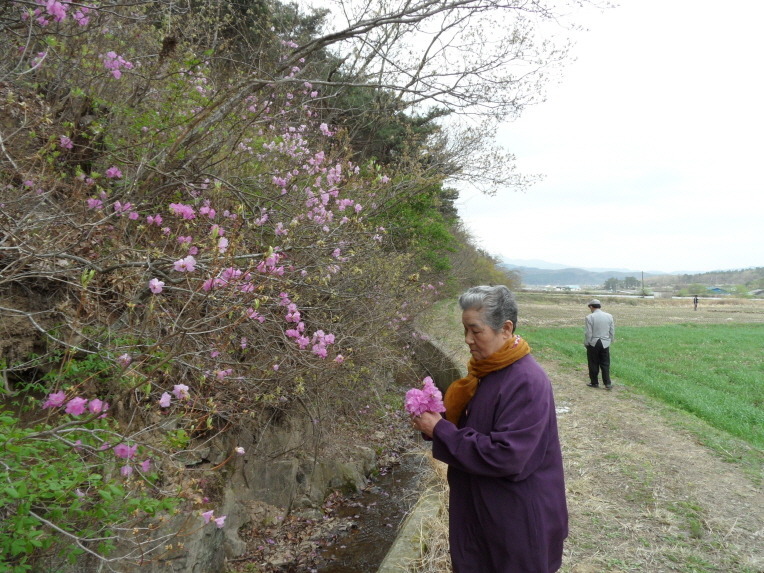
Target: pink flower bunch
{"x":120,"y":208}
{"x":254,"y":315}
{"x":229,"y":277}
{"x":298,"y":334}
{"x":223,"y":374}
{"x":53,"y":8}
{"x":320,"y":342}
{"x":115,"y":63}
{"x":185,"y":265}
{"x":181,"y":391}
{"x":210,"y":516}
{"x":81,"y":15}
{"x":125,"y":452}
{"x":76,"y":406}
{"x":155,"y":285}
{"x":207,"y":210}
{"x":113,"y":172}
{"x":428,"y":399}
{"x":268,"y":265}
{"x":184,"y":211}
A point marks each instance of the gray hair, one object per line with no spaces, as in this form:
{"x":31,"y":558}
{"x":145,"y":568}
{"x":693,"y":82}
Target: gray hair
{"x":497,"y":303}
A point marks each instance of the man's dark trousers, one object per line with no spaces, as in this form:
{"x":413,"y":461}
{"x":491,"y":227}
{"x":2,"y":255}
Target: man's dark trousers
{"x":599,"y":359}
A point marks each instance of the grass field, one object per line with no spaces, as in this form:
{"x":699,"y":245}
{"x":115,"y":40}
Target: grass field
{"x":712,"y":371}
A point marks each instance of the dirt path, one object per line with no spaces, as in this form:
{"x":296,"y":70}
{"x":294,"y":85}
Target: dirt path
{"x":643,"y":494}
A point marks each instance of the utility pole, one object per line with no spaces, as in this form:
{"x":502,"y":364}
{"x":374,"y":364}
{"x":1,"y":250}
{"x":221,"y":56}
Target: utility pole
{"x":643,"y":283}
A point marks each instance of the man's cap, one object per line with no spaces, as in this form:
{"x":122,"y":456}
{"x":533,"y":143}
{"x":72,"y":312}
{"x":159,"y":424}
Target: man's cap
{"x":594,"y":302}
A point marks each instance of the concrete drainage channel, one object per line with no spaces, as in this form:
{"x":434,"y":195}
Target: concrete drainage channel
{"x":408,"y":544}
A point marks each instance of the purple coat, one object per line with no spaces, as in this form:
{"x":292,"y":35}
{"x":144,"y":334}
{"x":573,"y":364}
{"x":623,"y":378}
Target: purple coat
{"x":507,"y":509}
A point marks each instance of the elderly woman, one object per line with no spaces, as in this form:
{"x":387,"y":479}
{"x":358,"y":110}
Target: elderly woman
{"x":507,"y":509}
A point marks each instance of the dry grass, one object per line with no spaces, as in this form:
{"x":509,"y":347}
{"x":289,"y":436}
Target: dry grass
{"x":643,"y":495}
{"x":434,"y":535}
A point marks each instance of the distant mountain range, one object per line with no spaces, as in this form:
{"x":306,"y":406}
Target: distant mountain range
{"x":539,"y":264}
{"x":569,"y":276}
{"x":542,"y":273}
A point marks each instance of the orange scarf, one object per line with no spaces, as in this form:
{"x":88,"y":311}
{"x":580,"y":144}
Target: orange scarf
{"x":461,"y":391}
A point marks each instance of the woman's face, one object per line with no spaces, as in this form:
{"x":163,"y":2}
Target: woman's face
{"x":481,"y":338}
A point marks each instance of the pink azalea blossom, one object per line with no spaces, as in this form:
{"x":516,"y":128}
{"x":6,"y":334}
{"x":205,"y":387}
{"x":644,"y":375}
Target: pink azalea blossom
{"x":185,"y":265}
{"x":254,"y":315}
{"x":223,"y":374}
{"x":240,"y":451}
{"x":76,"y":406}
{"x":428,"y":399}
{"x":155,"y":286}
{"x":146,"y":465}
{"x":207,"y":515}
{"x":55,"y":400}
{"x":220,"y":521}
{"x":124,"y":451}
{"x":339,"y":359}
{"x":165,"y":400}
{"x":207,"y":210}
{"x":184,"y":211}
{"x":181,"y":391}
{"x":113,"y":173}
{"x":97,"y":406}
{"x":80,"y":16}
{"x":126,"y":471}
{"x":94,"y":203}
{"x":115,"y":63}
{"x":65,"y":142}
{"x":124,"y":360}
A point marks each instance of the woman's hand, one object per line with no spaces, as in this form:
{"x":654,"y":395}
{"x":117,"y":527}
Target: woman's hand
{"x":426,"y":422}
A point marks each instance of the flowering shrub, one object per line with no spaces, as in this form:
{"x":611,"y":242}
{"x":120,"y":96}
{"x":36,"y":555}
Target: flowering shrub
{"x":185,"y":240}
{"x":209,"y":271}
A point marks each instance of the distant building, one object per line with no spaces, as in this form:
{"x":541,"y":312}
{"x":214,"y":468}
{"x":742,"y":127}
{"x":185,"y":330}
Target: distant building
{"x":663,"y":293}
{"x":716,"y":290}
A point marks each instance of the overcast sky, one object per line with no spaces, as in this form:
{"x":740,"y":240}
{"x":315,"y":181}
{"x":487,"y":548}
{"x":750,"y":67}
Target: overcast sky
{"x":651,"y":146}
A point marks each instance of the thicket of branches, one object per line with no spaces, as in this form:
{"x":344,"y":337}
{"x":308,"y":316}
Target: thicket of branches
{"x":214,"y":211}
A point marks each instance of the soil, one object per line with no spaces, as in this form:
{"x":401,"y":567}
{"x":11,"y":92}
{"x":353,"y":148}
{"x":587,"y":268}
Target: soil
{"x":644,"y":494}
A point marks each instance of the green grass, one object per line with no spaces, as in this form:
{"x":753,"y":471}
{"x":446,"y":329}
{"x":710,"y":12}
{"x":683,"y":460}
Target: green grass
{"x":713,"y":372}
